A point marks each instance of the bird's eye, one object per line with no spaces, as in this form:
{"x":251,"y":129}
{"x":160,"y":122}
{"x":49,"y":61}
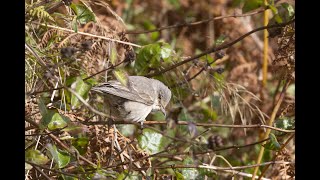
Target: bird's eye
{"x":160,"y":95}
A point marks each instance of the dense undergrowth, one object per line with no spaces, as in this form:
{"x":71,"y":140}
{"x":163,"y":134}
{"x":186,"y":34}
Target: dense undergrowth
{"x":221,"y":115}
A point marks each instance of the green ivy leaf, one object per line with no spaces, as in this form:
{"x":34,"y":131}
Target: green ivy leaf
{"x":189,"y":173}
{"x":205,"y":172}
{"x":289,"y":9}
{"x":36,"y":157}
{"x":126,"y":129}
{"x":82,"y":89}
{"x":282,"y":13}
{"x":57,"y":122}
{"x":285,"y":123}
{"x":276,"y":16}
{"x":47,"y":118}
{"x":42,"y":106}
{"x":150,"y":141}
{"x":251,"y":5}
{"x":150,"y":56}
{"x":61,"y":158}
{"x":179,"y":176}
{"x":84,"y":15}
{"x":81,"y":144}
{"x":273,"y":144}
{"x":166,"y":51}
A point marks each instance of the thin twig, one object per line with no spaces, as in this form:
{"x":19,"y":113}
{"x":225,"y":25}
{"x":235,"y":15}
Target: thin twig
{"x":214,"y":49}
{"x":189,"y":79}
{"x":42,"y":134}
{"x":195,"y":23}
{"x":103,"y":70}
{"x":41,"y":172}
{"x":163,"y":134}
{"x":199,"y":124}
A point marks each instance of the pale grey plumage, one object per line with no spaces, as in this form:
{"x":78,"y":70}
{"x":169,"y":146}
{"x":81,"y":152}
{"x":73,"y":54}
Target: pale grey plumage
{"x":136,"y":100}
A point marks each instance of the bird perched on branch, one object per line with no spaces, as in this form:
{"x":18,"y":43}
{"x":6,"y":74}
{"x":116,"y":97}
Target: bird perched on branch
{"x":135,"y":100}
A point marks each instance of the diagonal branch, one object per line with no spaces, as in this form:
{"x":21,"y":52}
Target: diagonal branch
{"x":196,"y":23}
{"x":214,"y":49}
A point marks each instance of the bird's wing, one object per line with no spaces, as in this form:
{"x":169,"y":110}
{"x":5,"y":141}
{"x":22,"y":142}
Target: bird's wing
{"x":130,"y":92}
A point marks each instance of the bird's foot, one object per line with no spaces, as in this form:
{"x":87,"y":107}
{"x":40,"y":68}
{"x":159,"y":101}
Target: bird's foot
{"x":110,"y":123}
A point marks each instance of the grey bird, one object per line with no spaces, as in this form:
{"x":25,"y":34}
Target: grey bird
{"x":135,"y":101}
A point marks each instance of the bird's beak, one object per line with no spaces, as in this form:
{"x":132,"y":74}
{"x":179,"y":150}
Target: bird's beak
{"x":163,"y":111}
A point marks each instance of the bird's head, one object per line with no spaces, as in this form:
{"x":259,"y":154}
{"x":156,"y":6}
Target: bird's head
{"x":164,"y":96}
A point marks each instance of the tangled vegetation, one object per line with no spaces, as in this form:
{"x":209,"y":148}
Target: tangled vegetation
{"x":231,"y":71}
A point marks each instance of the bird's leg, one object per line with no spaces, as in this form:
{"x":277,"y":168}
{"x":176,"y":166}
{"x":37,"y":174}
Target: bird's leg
{"x":141,"y":125}
{"x":110,"y":123}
